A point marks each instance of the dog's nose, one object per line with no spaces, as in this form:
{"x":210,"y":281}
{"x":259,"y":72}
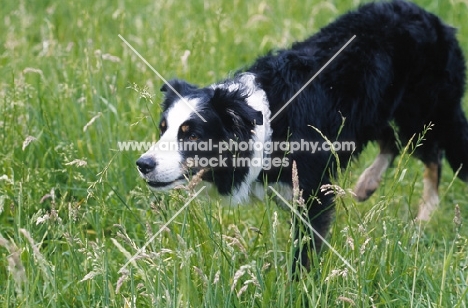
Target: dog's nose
{"x":146,"y":164}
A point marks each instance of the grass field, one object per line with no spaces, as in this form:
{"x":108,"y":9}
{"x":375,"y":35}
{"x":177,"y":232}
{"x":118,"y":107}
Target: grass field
{"x":73,"y":209}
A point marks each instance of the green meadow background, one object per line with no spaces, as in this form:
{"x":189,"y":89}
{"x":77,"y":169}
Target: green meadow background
{"x":73,"y":209}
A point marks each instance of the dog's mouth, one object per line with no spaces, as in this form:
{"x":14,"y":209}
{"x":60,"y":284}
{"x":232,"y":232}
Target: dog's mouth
{"x":162,"y":185}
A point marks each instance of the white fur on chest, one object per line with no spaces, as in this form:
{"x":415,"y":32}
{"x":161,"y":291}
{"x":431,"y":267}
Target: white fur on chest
{"x":257,"y":99}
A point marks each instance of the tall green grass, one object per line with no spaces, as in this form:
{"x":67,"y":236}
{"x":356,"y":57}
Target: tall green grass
{"x":73,"y":210}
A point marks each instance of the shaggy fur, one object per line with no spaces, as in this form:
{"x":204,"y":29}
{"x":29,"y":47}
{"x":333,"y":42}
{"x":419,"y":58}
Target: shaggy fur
{"x":404,"y":69}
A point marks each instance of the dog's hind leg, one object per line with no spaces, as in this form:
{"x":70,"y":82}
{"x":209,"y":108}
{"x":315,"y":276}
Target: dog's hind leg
{"x":455,"y":143}
{"x":370,"y":179}
{"x":430,"y":198}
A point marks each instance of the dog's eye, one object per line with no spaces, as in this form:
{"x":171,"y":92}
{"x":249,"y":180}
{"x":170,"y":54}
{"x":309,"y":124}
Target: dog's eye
{"x":162,"y":127}
{"x":193,"y":137}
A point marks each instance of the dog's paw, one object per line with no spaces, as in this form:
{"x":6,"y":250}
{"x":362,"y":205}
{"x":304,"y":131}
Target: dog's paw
{"x":423,"y":216}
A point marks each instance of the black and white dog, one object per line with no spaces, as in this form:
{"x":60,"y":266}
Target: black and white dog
{"x":403,"y":71}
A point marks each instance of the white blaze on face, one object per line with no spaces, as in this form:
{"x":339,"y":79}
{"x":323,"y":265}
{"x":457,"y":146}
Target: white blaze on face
{"x":169,"y":161}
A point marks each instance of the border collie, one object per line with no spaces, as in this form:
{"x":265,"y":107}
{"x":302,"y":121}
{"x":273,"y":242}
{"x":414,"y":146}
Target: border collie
{"x":403,"y":72}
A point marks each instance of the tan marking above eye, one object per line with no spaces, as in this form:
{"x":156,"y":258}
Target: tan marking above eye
{"x":185,"y":128}
{"x":163,"y":124}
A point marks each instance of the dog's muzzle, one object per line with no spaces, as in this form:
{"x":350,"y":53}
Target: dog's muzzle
{"x":147,"y":165}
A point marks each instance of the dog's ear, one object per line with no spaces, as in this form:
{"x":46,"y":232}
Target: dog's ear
{"x":237,"y":116}
{"x":175,"y":86}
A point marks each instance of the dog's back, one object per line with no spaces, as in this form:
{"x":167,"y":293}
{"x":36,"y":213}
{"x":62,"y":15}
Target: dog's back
{"x":404,"y":66}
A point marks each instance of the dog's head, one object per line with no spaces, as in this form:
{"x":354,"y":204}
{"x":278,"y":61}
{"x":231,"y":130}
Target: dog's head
{"x":194,"y":123}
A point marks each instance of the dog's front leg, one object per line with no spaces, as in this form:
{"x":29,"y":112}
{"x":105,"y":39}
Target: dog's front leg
{"x":318,"y":214}
{"x":312,"y":210}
